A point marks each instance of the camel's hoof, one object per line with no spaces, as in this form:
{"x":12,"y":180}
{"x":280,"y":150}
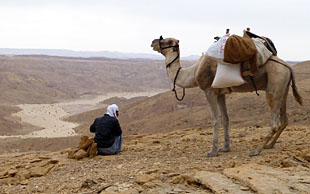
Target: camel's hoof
{"x":254,"y":153}
{"x":212,"y":154}
{"x":269,"y":146}
{"x":223,"y":149}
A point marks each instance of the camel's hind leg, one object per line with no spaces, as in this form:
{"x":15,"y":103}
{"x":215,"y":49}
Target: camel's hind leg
{"x":278,"y":77}
{"x":283,"y":119}
{"x":274,"y":103}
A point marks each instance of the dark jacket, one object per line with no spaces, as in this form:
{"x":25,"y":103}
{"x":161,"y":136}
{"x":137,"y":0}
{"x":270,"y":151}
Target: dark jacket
{"x":106,"y":128}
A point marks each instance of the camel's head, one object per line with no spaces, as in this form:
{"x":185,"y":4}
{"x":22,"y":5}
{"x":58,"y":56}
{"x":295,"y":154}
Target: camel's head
{"x":163,"y":45}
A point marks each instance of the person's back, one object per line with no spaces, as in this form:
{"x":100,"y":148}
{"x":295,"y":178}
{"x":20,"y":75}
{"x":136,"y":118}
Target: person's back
{"x":108,"y":133}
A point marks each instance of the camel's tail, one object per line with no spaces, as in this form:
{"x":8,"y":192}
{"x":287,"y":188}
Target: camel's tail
{"x":296,"y":94}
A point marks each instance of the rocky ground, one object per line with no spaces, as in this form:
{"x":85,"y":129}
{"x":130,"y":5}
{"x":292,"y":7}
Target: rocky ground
{"x":173,"y":162}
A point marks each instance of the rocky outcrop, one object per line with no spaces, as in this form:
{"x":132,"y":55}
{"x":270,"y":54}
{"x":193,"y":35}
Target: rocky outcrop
{"x":264,"y":179}
{"x":87,"y":148}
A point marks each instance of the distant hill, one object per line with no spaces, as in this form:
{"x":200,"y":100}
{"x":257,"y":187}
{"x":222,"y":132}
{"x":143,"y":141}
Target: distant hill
{"x":42,"y":79}
{"x":86,"y":54}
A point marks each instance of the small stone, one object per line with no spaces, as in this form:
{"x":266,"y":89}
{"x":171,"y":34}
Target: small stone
{"x":4,"y":174}
{"x":119,"y":166}
{"x":152,"y":171}
{"x":217,"y":165}
{"x":80,"y":154}
{"x":103,"y":187}
{"x":88,"y":183}
{"x":181,"y":189}
{"x":12,"y":172}
{"x":53,"y":161}
{"x":231,"y":164}
{"x":181,"y":179}
{"x":35,"y":160}
{"x":307,"y":157}
{"x":142,"y":179}
{"x":111,"y":189}
{"x":44,"y":157}
{"x":258,"y":126}
{"x":24,"y":182}
{"x":40,"y":171}
{"x":72,"y":153}
{"x":173,"y":174}
{"x":23,"y":174}
{"x":287,"y":163}
{"x":244,"y":188}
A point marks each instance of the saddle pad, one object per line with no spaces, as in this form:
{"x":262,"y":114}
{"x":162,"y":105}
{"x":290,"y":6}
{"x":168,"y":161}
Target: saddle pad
{"x":263,"y":54}
{"x":227,"y":75}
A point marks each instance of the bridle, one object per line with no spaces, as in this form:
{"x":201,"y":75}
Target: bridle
{"x":175,"y":49}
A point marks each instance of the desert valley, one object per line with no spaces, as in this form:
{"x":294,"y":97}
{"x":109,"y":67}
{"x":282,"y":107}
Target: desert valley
{"x":47,"y":103}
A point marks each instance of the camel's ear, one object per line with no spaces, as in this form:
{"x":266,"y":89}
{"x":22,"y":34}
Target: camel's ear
{"x":161,"y":37}
{"x":178,"y":41}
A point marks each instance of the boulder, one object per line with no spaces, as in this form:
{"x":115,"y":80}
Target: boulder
{"x":83,"y":141}
{"x":92,"y":150}
{"x":87,"y":143}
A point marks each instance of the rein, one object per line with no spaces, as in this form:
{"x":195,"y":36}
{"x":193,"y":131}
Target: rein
{"x":175,"y":49}
{"x":168,"y":65}
{"x":174,"y":90}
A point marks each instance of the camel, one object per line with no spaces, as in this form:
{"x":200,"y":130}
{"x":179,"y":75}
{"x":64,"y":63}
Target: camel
{"x":274,"y":77}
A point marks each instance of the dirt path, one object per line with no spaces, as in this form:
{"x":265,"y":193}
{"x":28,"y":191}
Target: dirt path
{"x":49,"y":116}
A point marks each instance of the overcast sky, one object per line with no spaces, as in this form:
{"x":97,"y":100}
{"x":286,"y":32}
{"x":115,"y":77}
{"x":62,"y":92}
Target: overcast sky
{"x":131,"y":25}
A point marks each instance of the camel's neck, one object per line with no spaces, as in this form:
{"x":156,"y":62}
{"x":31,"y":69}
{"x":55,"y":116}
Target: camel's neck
{"x":186,"y":76}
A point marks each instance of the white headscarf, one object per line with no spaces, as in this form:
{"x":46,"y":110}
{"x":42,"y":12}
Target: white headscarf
{"x":111,"y":110}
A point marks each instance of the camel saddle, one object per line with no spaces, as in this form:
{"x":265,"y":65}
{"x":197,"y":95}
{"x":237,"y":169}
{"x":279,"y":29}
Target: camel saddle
{"x":240,"y":49}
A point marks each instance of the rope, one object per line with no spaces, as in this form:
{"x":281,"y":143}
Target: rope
{"x":174,"y":90}
{"x":254,"y":85}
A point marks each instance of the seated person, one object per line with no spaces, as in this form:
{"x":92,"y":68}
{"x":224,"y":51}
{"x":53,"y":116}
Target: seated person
{"x":108,"y":133}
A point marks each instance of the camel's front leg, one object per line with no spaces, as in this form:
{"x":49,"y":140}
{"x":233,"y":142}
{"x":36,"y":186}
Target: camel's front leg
{"x":212,"y":99}
{"x":225,"y":122}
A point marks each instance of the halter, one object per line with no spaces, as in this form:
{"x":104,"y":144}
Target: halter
{"x":175,"y":49}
